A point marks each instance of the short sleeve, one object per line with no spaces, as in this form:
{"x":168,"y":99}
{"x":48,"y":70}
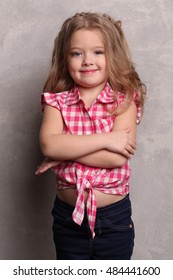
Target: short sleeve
{"x":138,"y":107}
{"x":120,"y":100}
{"x":49,"y":99}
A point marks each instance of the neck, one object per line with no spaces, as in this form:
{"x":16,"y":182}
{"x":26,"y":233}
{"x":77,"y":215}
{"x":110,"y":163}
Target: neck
{"x":89,"y":95}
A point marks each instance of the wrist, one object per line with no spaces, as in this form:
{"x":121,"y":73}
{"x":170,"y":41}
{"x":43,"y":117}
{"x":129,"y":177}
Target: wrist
{"x":105,"y":138}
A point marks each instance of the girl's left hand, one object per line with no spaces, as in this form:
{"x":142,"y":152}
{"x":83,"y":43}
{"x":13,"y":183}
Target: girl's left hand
{"x":45,"y":165}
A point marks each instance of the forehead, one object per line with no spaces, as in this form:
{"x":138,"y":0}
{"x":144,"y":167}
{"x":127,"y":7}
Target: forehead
{"x":87,"y":38}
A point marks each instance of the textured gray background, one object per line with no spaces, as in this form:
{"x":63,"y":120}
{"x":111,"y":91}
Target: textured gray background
{"x":27,"y":31}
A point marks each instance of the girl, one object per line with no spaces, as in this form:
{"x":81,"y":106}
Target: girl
{"x":92,"y":100}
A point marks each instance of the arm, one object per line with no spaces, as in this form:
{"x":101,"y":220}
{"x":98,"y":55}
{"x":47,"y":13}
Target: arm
{"x":106,"y":159}
{"x":58,"y":146}
{"x":102,"y":158}
{"x":127,"y":119}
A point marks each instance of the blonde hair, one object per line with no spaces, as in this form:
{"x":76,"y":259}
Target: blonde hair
{"x":121,"y":71}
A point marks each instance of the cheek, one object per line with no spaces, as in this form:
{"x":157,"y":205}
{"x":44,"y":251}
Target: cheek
{"x":72,"y":66}
{"x":106,"y":67}
{"x":71,"y":71}
{"x":103,"y":63}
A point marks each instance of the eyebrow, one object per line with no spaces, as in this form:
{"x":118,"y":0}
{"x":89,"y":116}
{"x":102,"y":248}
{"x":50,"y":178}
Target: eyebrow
{"x":95,"y":47}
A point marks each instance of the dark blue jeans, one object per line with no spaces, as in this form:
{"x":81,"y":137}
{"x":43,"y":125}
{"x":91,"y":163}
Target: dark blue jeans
{"x":114,"y":239}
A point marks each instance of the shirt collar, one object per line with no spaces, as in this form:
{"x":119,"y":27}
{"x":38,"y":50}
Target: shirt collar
{"x":73,"y":96}
{"x":107,"y":95}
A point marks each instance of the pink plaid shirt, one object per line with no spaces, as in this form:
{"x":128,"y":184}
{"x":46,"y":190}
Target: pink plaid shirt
{"x":81,"y":120}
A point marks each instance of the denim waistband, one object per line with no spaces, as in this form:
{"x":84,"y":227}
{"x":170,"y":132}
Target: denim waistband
{"x":108,"y":210}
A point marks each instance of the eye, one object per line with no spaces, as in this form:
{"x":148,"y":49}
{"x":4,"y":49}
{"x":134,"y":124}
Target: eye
{"x":99,"y":52}
{"x":76,"y":53}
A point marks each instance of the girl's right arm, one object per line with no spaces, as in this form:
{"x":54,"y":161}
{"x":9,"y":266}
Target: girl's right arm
{"x":58,"y":146}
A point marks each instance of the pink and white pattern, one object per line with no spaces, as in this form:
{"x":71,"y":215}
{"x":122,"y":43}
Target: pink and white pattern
{"x":85,"y":121}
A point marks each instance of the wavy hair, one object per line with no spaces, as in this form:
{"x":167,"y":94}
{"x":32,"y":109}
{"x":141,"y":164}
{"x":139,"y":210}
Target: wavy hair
{"x":122,"y":75}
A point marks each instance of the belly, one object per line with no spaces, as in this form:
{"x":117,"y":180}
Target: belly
{"x":69,"y":196}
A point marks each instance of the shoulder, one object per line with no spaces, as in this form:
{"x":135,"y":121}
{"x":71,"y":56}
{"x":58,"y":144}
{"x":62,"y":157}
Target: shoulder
{"x":138,"y":107}
{"x":134,"y":106}
{"x":56,"y":100}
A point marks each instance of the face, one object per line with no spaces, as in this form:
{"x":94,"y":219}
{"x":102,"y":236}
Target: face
{"x":87,"y":60}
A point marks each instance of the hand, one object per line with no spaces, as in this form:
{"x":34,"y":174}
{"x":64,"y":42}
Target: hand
{"x":45,"y":165}
{"x":121,"y":142}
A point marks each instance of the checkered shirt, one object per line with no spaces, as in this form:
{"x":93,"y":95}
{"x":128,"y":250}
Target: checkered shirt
{"x":85,"y":121}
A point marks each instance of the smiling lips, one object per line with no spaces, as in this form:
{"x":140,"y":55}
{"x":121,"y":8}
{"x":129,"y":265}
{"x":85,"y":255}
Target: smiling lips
{"x":88,"y":71}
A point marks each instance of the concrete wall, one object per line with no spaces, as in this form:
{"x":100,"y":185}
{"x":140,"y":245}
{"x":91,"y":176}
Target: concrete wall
{"x":27,"y":31}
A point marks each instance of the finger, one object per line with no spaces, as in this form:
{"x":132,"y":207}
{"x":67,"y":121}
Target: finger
{"x":41,"y":168}
{"x":126,"y":154}
{"x":37,"y":172}
{"x":46,"y":165}
{"x":42,"y":163}
{"x":132,"y":144}
{"x":130,"y":149}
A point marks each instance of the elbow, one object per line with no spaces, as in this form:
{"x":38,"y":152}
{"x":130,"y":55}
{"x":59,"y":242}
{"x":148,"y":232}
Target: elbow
{"x":46,"y":146}
{"x":50,"y":152}
{"x":124,"y":160}
{"x":45,"y":150}
{"x":120,"y":162}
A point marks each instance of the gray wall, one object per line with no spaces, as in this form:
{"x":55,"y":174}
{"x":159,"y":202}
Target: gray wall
{"x":27,"y":31}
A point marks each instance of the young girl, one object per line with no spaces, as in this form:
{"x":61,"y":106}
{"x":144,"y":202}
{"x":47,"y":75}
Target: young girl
{"x":92,"y":100}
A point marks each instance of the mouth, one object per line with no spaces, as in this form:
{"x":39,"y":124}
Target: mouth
{"x":89,"y":71}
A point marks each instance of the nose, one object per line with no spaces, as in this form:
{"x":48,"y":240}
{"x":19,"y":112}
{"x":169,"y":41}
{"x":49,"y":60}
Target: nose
{"x":87,"y":60}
